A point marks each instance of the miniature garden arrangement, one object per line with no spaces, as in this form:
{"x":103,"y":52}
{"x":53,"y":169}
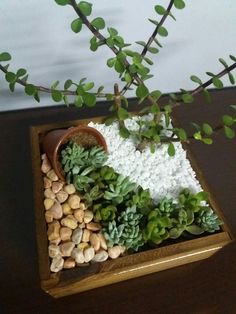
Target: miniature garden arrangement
{"x":134,"y":191}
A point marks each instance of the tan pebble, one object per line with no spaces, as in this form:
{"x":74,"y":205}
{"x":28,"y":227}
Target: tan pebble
{"x":77,"y":235}
{"x":83,"y":245}
{"x":95,"y":241}
{"x":46,"y":166}
{"x":82,"y":225}
{"x":52,"y":175}
{"x":78,"y":255}
{"x":70,"y":189}
{"x":66,"y":248}
{"x":122,"y":249}
{"x":114,"y":251}
{"x":88,"y":216}
{"x":82,"y":206}
{"x":57,"y":264}
{"x":53,"y":250}
{"x":103,"y":242}
{"x":74,"y":201}
{"x":62,"y":196}
{"x":56,"y":210}
{"x":56,"y":241}
{"x":100,"y":256}
{"x":48,"y":216}
{"x":93,"y":226}
{"x":69,"y":263}
{"x":67,"y":209}
{"x":57,"y":186}
{"x":47,"y":183}
{"x":86,"y":235}
{"x":43,"y":156}
{"x":88,"y":254}
{"x":48,"y":202}
{"x":65,"y":233}
{"x":48,"y":193}
{"x":53,"y":230}
{"x":79,"y":215}
{"x":70,"y":222}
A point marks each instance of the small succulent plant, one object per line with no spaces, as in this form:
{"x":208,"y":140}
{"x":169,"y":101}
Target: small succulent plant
{"x":104,"y":213}
{"x":93,"y":195}
{"x":142,"y":200}
{"x":192,"y":201}
{"x":208,"y":220}
{"x":73,"y":156}
{"x":118,"y":190}
{"x":167,"y":207}
{"x":96,"y":157}
{"x":112,"y":233}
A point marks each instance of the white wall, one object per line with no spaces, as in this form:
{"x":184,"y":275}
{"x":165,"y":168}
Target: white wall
{"x":38,"y":35}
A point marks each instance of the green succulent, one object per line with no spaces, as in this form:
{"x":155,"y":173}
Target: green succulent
{"x":142,"y":200}
{"x":191,"y":201}
{"x":82,"y":182}
{"x":208,"y":220}
{"x":130,"y":216}
{"x":167,"y":207}
{"x":108,"y":174}
{"x":104,"y":214}
{"x":73,"y":156}
{"x":94,"y":194}
{"x":118,"y":190}
{"x":156,"y":229}
{"x":96,"y":157}
{"x":112,"y":233}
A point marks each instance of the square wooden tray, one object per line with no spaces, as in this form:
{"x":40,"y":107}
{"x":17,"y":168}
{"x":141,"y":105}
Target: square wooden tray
{"x":96,"y":275}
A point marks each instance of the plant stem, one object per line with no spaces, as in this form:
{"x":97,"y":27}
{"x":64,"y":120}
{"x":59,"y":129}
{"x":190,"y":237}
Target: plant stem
{"x":150,"y":40}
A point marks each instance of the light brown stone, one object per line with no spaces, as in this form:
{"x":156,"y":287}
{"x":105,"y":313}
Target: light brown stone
{"x":103,"y":241}
{"x":53,"y":250}
{"x":65,"y":233}
{"x":74,"y":201}
{"x":56,"y":210}
{"x":66,"y":248}
{"x":114,"y":251}
{"x":78,"y":255}
{"x":82,"y":225}
{"x":47,"y":183}
{"x":53,"y":230}
{"x":48,"y":216}
{"x":100,"y":256}
{"x":46,"y":166}
{"x":69,"y":263}
{"x":66,"y":209}
{"x":88,"y":216}
{"x":83,"y":245}
{"x":57,"y":186}
{"x":52,"y":175}
{"x":88,"y":254}
{"x":93,"y":226}
{"x":82,"y":206}
{"x":57,"y":264}
{"x":48,"y":193}
{"x":95,"y":241}
{"x":56,"y":241}
{"x":69,"y":188}
{"x":48,"y":202}
{"x":86,"y":235}
{"x":77,"y":235}
{"x":70,"y":222}
{"x":61,"y":196}
{"x":79,"y":215}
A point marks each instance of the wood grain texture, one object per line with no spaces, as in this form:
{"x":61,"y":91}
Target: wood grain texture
{"x":123,"y":268}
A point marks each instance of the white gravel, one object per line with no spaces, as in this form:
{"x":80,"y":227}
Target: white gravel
{"x":165,"y":176}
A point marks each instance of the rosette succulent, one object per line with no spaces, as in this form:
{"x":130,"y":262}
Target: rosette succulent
{"x":191,"y":201}
{"x":104,"y":213}
{"x":208,"y":220}
{"x":166,"y":207}
{"x":113,"y":233}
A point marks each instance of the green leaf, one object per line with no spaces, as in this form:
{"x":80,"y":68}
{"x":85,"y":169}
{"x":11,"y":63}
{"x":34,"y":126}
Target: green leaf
{"x":154,"y":22}
{"x":182,"y":134}
{"x":197,"y":135}
{"x":98,"y":23}
{"x":10,"y":77}
{"x":222,"y":61}
{"x":68,"y":84}
{"x":231,"y":78}
{"x":154,"y":109}
{"x":78,"y":101}
{"x":233,"y":58}
{"x":124,"y":132}
{"x":142,"y":91}
{"x":5,"y":56}
{"x":85,"y":7}
{"x":207,"y":95}
{"x":88,"y":86}
{"x":76,"y":25}
{"x":62,"y":2}
{"x":207,"y":140}
{"x":36,"y":96}
{"x":30,"y":89}
{"x":207,"y":129}
{"x":217,"y":82}
{"x":128,"y":77}
{"x":111,"y":62}
{"x":196,"y":126}
{"x":194,"y":229}
{"x":160,"y":9}
{"x":195,"y":79}
{"x":21,"y":72}
{"x":141,"y":43}
{"x":119,"y":41}
{"x":153,"y":50}
{"x":149,"y":61}
{"x":65,"y":99}
{"x":112,"y":31}
{"x":122,"y":113}
{"x":162,"y":31}
{"x":12,"y":86}
{"x":233,"y":107}
{"x":227,"y":120}
{"x":89,"y":99}
{"x":156,"y":94}
{"x":179,"y":4}
{"x":152,"y":148}
{"x":110,"y":120}
{"x":55,"y":84}
{"x":57,"y":95}
{"x":119,"y":66}
{"x":171,"y":149}
{"x":93,"y":44}
{"x":187,"y":98}
{"x":229,"y":133}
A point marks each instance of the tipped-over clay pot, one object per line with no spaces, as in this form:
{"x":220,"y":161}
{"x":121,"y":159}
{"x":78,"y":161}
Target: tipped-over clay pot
{"x":54,"y":140}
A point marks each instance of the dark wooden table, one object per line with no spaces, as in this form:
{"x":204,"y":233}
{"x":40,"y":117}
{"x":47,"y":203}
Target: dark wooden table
{"x":208,"y":286}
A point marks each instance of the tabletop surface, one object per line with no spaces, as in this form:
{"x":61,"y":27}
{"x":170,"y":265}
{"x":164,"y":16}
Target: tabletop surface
{"x":207,"y":286}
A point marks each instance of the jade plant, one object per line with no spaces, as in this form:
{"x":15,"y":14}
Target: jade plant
{"x":128,"y":214}
{"x":133,"y":66}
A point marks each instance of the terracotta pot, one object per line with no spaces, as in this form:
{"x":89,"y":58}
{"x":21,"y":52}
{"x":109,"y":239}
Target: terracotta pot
{"x":54,"y":140}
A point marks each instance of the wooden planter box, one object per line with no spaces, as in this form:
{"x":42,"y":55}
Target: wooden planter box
{"x":96,"y":275}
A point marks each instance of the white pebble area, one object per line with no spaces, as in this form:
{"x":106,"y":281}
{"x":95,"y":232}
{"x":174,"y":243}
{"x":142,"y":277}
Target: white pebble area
{"x":163,"y":175}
